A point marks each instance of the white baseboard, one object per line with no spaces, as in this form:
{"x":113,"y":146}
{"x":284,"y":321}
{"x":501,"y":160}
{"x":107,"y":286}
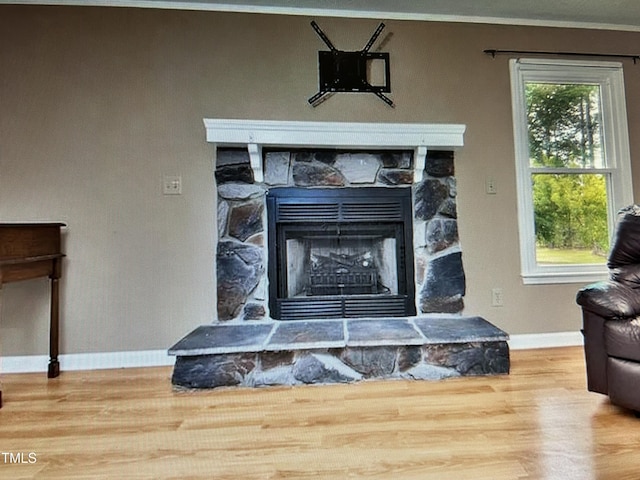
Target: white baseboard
{"x":160,"y":358}
{"x":87,"y":361}
{"x":545,"y":340}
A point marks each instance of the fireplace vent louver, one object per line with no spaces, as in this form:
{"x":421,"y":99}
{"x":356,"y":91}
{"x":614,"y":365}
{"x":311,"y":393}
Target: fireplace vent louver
{"x":354,"y":212}
{"x":391,"y":211}
{"x":324,"y":308}
{"x":386,"y":307}
{"x":304,"y":212}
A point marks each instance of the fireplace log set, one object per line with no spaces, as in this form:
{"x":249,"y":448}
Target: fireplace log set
{"x":343,"y":274}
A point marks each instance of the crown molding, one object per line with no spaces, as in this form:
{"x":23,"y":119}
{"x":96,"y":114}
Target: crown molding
{"x":330,"y":12}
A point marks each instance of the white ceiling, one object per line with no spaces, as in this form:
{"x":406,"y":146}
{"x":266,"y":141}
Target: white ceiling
{"x":601,"y":14}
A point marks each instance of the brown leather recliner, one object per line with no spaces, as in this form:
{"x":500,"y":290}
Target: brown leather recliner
{"x":611,"y":318}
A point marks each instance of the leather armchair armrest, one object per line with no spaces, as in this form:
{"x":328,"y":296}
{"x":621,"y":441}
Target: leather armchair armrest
{"x":610,"y":299}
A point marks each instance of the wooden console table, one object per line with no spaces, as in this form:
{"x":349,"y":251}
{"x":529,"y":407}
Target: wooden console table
{"x":32,"y":250}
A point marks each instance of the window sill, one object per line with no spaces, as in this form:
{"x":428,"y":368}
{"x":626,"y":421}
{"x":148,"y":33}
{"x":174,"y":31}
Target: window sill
{"x":544,"y":278}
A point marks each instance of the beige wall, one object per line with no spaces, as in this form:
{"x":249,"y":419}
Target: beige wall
{"x":98,"y":104}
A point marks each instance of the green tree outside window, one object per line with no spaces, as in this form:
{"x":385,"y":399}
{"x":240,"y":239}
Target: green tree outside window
{"x":570,"y":202}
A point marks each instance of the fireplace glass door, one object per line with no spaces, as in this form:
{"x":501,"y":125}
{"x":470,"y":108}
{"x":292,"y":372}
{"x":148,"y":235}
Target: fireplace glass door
{"x":337,"y":253}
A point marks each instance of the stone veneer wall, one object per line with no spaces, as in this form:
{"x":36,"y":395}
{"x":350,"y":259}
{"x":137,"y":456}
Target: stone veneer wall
{"x":241,"y":256}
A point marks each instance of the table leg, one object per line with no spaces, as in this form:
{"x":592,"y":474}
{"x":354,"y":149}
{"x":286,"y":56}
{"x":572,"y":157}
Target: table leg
{"x":54,"y":365}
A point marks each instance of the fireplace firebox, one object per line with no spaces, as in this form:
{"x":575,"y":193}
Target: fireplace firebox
{"x":340,"y":252}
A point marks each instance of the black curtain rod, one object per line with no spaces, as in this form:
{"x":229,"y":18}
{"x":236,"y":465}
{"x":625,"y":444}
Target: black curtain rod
{"x":494,"y":52}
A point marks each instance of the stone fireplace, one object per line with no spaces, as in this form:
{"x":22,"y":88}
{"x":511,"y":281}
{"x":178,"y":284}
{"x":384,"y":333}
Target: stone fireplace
{"x":271,"y":195}
{"x":337,"y":251}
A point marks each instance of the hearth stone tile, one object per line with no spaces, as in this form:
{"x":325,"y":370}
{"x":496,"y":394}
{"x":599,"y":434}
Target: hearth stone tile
{"x":430,"y":372}
{"x":409,"y":356}
{"x":316,"y":368}
{"x":210,"y":371}
{"x":316,"y":174}
{"x":307,"y":334}
{"x":358,"y":167}
{"x":254,"y":311}
{"x":276,"y":170}
{"x":240,"y":269}
{"x":470,"y":358}
{"x":272,"y":377}
{"x":245,"y":220}
{"x":214,"y":339}
{"x":441,"y":233}
{"x":401,"y":159}
{"x":430,"y":194}
{"x":459,"y":330}
{"x":444,"y":285}
{"x":378,"y":332}
{"x":371,"y":362}
{"x":232,"y":156}
{"x":389,"y":176}
{"x":449,"y":208}
{"x":440,"y":163}
{"x":223,"y":214}
{"x":271,"y":360}
{"x":240,"y":191}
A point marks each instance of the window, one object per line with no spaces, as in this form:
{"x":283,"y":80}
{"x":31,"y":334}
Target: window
{"x":572,"y":164}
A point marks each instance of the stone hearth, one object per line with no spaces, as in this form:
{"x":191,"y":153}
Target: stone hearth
{"x":339,"y":351}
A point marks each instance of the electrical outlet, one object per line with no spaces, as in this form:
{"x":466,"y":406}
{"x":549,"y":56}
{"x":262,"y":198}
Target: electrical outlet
{"x":497,"y":297}
{"x":490,"y":186}
{"x":172,"y":185}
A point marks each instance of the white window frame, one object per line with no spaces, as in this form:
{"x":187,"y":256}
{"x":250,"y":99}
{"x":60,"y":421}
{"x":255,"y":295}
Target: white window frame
{"x":617,"y":169}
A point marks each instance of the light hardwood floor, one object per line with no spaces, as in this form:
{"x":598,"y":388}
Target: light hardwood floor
{"x":539,"y":422}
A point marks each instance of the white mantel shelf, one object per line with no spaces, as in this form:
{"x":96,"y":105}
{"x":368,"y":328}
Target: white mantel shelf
{"x":256,"y":134}
{"x":334,"y":134}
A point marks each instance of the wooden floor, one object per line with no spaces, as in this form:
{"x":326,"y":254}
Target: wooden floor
{"x":539,"y":422}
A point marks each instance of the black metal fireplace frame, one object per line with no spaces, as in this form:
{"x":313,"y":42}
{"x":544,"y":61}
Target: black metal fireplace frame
{"x":323,"y":210}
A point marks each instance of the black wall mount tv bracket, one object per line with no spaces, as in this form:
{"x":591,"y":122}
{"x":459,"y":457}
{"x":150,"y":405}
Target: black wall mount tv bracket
{"x":341,"y":71}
